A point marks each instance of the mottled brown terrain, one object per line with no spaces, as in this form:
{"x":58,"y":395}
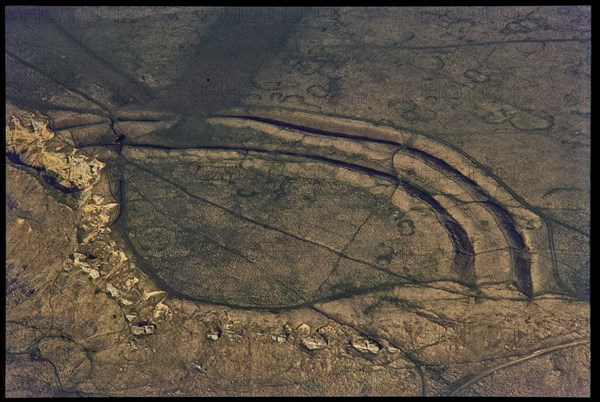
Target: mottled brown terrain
{"x":297,"y":202}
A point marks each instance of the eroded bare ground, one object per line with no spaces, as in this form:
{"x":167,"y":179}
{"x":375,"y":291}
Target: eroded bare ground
{"x":335,"y":202}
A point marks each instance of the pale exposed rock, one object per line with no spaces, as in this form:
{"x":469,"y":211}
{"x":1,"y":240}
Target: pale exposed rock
{"x":117,"y":294}
{"x":199,"y":367}
{"x":38,"y":126}
{"x":213,"y":336}
{"x":79,"y":261}
{"x":93,"y":273}
{"x":233,"y":330}
{"x":365,"y":345}
{"x":143,"y":328}
{"x":129,"y":283}
{"x":77,"y":170}
{"x":392,"y":349}
{"x":117,"y":257}
{"x":303,"y":329}
{"x":161,"y":310}
{"x":113,"y":291}
{"x":279,"y":339}
{"x":26,"y":136}
{"x":148,"y":295}
{"x":23,"y":136}
{"x":314,"y":343}
{"x":130,"y":317}
{"x":95,"y":218}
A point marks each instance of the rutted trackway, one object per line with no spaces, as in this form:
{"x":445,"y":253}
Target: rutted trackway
{"x":464,"y":255}
{"x":518,"y":249}
{"x":108,"y":75}
{"x":463,"y":247}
